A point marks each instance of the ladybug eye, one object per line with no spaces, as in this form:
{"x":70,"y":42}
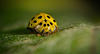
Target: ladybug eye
{"x":32,"y":18}
{"x":51,"y":23}
{"x":54,"y":20}
{"x":46,"y":32}
{"x":40,"y":23}
{"x":44,"y":25}
{"x":48,"y":25}
{"x":34,"y":21}
{"x":50,"y":29}
{"x":48,"y":17}
{"x":39,"y":17}
{"x":45,"y":20}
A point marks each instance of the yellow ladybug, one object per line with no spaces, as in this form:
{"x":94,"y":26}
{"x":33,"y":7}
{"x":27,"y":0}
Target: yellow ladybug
{"x":43,"y":24}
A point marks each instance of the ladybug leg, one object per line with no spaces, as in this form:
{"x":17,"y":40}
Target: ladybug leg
{"x":36,"y":29}
{"x":38,"y":34}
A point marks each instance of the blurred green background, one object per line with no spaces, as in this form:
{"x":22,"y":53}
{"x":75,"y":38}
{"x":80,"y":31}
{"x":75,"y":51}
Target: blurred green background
{"x":15,"y":15}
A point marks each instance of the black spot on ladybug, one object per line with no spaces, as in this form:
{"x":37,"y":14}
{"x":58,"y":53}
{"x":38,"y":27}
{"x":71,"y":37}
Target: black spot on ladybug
{"x":40,"y":23}
{"x":45,"y":20}
{"x":44,"y":25}
{"x":51,"y":23}
{"x":48,"y":17}
{"x":54,"y":20}
{"x":32,"y":18}
{"x":31,"y":24}
{"x":48,"y":25}
{"x":39,"y":17}
{"x":34,"y":21}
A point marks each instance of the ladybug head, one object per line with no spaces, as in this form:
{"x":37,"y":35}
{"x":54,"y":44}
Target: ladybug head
{"x":46,"y":32}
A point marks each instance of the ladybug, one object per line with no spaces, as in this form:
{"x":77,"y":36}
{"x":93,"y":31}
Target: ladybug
{"x":43,"y":24}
